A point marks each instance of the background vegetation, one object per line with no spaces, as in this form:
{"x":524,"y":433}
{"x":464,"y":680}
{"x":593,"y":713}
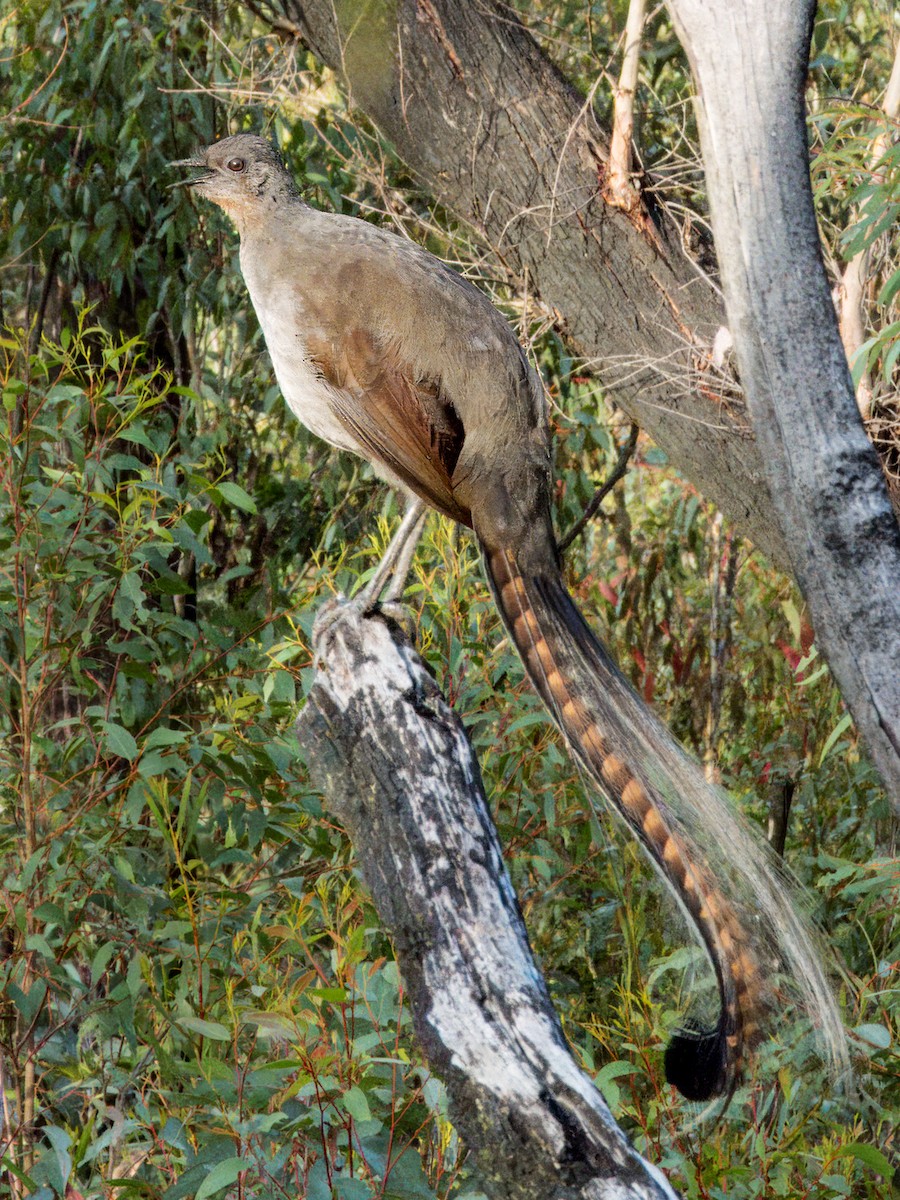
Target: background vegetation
{"x":195,"y":996}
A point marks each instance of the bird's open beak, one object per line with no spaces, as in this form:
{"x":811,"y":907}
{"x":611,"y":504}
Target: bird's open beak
{"x":197,"y":164}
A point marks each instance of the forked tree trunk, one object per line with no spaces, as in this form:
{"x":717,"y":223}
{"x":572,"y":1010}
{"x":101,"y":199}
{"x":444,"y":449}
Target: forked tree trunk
{"x":501,"y":139}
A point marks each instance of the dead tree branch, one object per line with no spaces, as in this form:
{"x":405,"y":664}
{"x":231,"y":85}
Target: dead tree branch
{"x":395,"y":766}
{"x":620,"y":189}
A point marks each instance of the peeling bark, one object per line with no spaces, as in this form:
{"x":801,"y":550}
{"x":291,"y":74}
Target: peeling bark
{"x":396,"y":768}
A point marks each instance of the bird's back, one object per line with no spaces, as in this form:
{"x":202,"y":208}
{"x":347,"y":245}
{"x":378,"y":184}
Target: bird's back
{"x":341,"y":302}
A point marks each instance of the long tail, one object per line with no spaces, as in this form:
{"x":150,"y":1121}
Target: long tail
{"x":681,"y":819}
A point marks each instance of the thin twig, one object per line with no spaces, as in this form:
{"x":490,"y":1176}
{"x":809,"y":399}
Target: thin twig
{"x":603,"y":491}
{"x":13,"y":113}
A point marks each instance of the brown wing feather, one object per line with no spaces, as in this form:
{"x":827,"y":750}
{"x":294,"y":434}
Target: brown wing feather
{"x":405,"y":423}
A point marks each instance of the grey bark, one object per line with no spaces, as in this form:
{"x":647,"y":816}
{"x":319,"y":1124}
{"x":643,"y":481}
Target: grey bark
{"x":395,"y":766}
{"x":749,"y":61}
{"x":501,"y":139}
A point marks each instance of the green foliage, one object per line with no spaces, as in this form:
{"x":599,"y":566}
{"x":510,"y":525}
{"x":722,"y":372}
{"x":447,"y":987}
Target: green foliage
{"x":856,"y":176}
{"x":195,"y":998}
{"x":192,"y":992}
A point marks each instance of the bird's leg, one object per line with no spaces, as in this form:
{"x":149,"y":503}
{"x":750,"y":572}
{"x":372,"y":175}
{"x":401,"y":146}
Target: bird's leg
{"x":390,"y":574}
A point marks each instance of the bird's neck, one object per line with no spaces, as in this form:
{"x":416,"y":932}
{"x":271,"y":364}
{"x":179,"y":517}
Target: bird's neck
{"x":270,"y":205}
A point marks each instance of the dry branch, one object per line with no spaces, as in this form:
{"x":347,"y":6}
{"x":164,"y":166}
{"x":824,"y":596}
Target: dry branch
{"x":395,"y":766}
{"x":620,"y":189}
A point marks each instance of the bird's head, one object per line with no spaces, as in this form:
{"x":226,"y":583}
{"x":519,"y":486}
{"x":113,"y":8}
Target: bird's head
{"x":244,"y":175}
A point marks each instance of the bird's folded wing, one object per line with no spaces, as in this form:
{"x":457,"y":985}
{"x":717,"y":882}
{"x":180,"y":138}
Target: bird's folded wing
{"x":404,"y":422}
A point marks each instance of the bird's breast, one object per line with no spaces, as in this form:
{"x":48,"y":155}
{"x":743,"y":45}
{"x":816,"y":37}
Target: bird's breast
{"x":285,"y":324}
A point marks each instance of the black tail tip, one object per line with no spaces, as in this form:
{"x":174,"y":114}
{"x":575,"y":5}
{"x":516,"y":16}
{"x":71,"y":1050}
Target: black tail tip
{"x":697,"y":1062}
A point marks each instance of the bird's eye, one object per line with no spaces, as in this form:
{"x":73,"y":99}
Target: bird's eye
{"x":235,"y":164}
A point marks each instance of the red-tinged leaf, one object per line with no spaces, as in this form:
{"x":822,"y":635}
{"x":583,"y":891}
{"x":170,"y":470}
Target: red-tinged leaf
{"x":677,"y":664}
{"x":807,"y":635}
{"x":792,"y":656}
{"x":609,"y":593}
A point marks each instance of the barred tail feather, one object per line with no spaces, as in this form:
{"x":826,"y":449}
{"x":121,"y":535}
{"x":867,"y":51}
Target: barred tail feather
{"x":684,"y":823}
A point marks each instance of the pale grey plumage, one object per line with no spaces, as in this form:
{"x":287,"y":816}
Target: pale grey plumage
{"x":380,"y":349}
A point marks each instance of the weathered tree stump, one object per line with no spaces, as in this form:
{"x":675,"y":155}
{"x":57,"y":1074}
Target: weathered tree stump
{"x":395,"y":766}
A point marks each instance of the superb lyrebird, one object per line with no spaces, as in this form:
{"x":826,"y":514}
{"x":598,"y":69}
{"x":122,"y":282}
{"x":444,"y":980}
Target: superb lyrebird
{"x":381,"y":349}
